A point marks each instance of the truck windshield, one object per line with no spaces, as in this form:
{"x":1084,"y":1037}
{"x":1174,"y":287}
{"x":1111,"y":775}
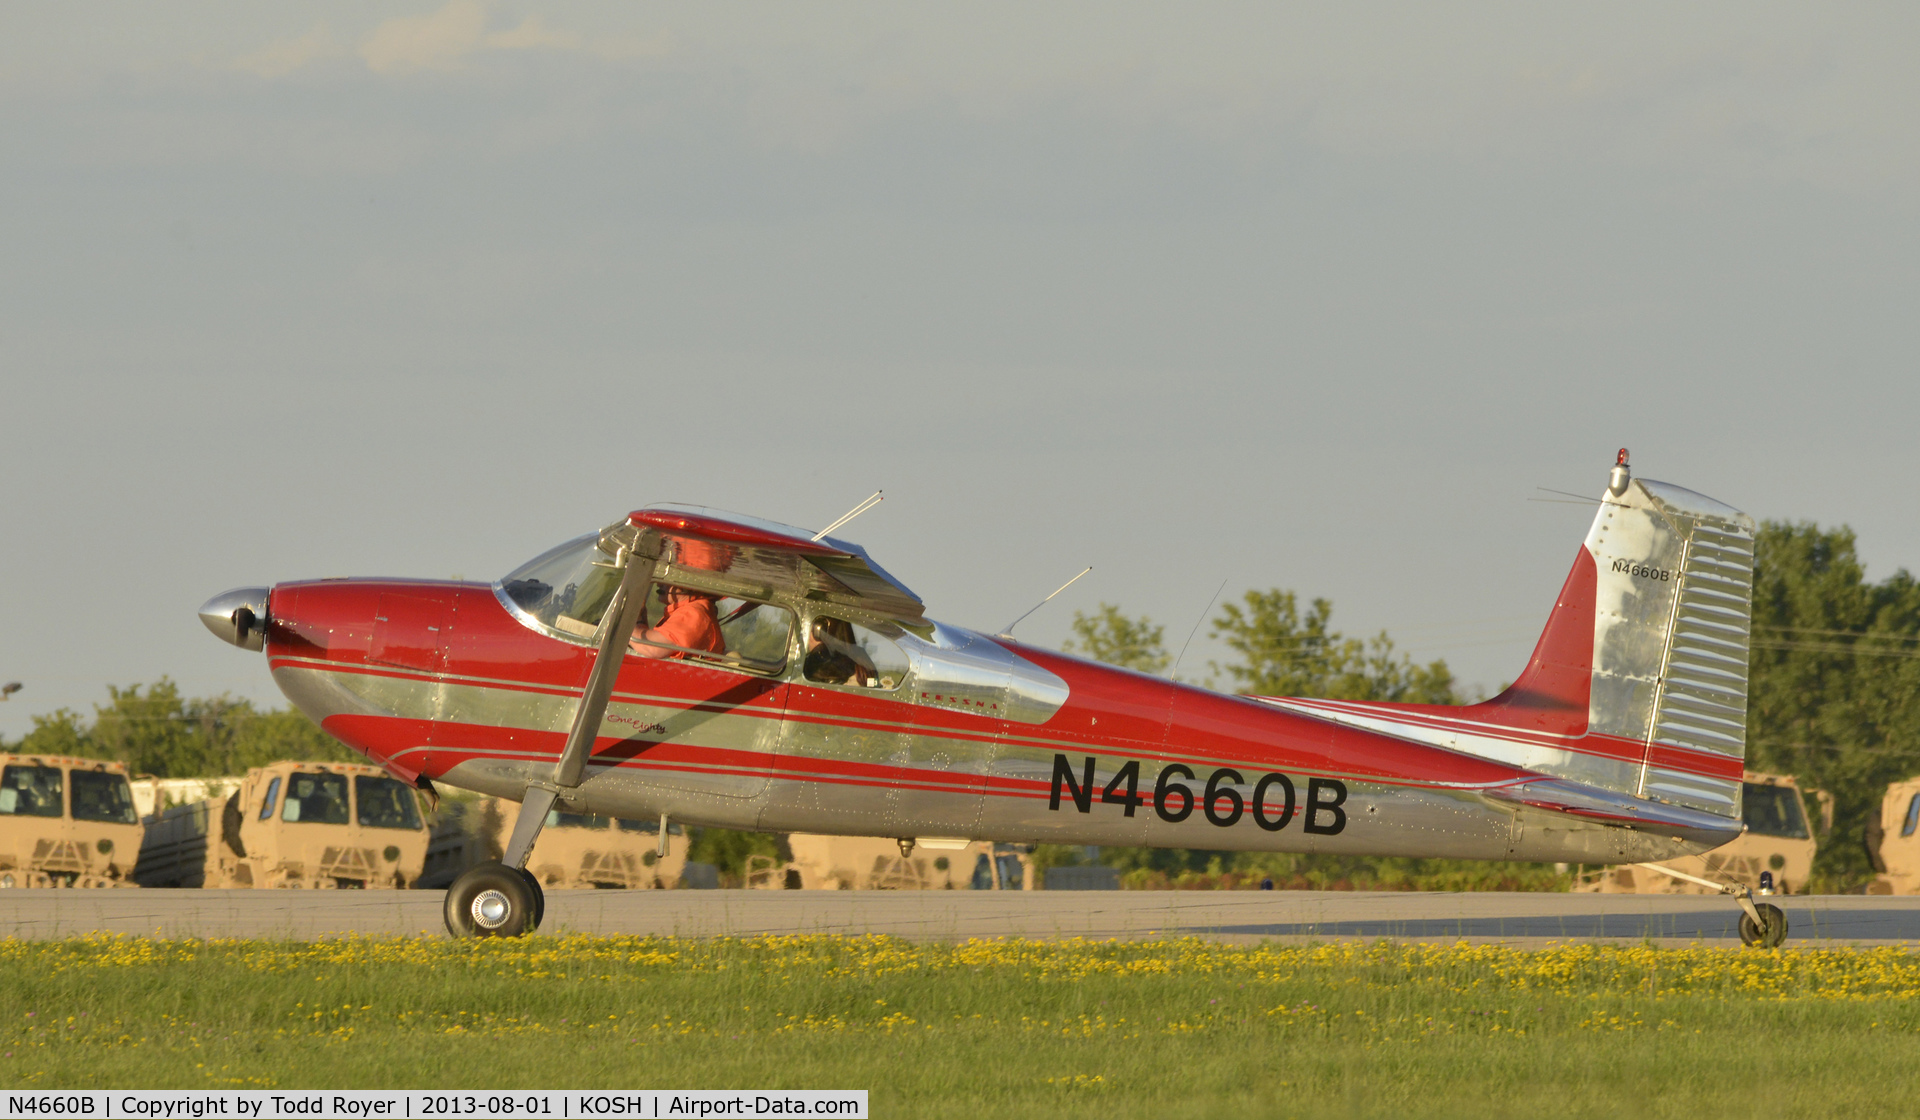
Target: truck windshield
{"x":558,"y":819}
{"x":316,"y":799}
{"x":566,"y":588}
{"x":100,"y":796}
{"x":1774,"y":811}
{"x":30,"y":791}
{"x":384,"y":803}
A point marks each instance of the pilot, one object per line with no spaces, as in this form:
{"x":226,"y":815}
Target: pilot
{"x":690,"y":623}
{"x":834,"y":656}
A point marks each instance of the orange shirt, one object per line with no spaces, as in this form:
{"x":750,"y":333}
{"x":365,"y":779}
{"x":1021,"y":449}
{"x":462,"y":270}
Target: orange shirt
{"x":693,"y":625}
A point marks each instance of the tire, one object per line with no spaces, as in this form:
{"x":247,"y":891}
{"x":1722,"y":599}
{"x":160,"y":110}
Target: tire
{"x":1771,"y":934}
{"x":490,"y":900}
{"x":539,"y":898}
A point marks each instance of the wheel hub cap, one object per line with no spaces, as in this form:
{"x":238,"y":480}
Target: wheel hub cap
{"x":491,"y":909}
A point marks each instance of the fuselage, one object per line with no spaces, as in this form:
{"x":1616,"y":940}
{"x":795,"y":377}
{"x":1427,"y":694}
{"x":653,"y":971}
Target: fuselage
{"x":980,"y":737}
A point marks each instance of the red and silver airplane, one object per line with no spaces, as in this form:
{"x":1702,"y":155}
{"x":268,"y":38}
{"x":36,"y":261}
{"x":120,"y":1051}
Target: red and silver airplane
{"x":832,"y":704}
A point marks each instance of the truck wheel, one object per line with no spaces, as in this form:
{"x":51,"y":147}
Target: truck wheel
{"x":1771,"y":934}
{"x":489,"y":900}
{"x":539,"y":897}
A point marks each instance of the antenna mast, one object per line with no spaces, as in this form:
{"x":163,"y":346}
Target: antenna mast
{"x":873,"y":499}
{"x":1008,"y":632}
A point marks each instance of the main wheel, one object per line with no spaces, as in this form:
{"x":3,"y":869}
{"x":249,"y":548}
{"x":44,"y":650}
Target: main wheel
{"x":1770,"y":933}
{"x":490,"y":900}
{"x":539,"y":897}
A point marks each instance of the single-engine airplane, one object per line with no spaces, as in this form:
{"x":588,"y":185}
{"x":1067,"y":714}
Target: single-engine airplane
{"x":816,"y":696}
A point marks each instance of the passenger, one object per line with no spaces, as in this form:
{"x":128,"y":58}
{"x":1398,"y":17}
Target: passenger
{"x":690,"y":623}
{"x":834,"y":656}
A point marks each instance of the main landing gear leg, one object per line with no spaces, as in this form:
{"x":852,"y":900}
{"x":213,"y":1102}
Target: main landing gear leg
{"x":1762,"y":924}
{"x":502,"y":899}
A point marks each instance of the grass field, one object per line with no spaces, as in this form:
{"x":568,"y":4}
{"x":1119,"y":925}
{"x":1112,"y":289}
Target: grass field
{"x":991,"y":1029}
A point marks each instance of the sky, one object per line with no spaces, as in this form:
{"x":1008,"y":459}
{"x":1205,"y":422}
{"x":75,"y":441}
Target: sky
{"x":1323,"y":297}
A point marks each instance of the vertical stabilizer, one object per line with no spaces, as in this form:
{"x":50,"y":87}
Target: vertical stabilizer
{"x":1638,"y":684}
{"x":1672,"y":606}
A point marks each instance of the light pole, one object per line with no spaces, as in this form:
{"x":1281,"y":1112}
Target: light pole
{"x":7,"y":690}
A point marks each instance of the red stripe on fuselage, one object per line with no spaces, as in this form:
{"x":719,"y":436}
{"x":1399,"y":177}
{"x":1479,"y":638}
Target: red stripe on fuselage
{"x":1108,"y":712}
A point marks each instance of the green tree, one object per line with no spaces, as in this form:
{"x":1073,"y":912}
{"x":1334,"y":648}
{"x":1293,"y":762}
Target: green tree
{"x":1834,"y":681}
{"x":154,"y":730}
{"x":1285,"y":653}
{"x":150,"y":731}
{"x":1110,"y":636}
{"x":728,"y":850}
{"x":60,"y":733}
{"x":263,"y":737}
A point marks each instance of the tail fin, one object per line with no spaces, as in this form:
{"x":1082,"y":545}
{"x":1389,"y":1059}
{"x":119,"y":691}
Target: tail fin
{"x":1638,"y":685}
{"x":1655,"y":617}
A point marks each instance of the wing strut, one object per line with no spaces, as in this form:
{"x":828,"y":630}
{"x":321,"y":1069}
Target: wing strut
{"x":615,"y":626}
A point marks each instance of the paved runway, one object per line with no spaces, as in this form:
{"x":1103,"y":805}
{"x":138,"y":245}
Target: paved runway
{"x":1238,"y":916}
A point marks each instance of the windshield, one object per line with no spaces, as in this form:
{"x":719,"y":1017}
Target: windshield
{"x":316,"y":799}
{"x":566,"y":588}
{"x":384,"y":803}
{"x":30,"y":791}
{"x":100,"y":796}
{"x":1774,"y":811}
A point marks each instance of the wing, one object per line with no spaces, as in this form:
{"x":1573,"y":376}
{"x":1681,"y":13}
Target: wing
{"x":750,"y":558}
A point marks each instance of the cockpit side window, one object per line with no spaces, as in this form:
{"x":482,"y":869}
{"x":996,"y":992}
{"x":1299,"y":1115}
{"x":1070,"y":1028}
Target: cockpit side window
{"x":1913,"y":817}
{"x":753,"y":636}
{"x":756,"y":632}
{"x":273,"y":794}
{"x":841,"y":652}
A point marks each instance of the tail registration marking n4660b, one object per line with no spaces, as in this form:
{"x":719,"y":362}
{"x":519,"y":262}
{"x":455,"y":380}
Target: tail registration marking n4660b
{"x":1272,"y":805}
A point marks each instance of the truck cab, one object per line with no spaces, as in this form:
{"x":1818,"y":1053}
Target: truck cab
{"x":336,"y":825}
{"x":66,"y":822}
{"x":1895,"y":844}
{"x":1778,"y":840}
{"x":308,"y":825}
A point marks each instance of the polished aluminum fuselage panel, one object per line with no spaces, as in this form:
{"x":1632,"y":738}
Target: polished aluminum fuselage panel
{"x":985,"y":738}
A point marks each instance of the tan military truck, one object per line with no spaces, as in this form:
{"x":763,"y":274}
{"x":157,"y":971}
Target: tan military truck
{"x":66,"y":822}
{"x":310,"y":825}
{"x":574,"y":850}
{"x":1778,"y":840}
{"x":1895,"y":843}
{"x":870,"y":863}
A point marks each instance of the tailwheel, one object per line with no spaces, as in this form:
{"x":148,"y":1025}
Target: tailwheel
{"x":492,"y":900}
{"x":539,"y":897}
{"x":1769,"y":931}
